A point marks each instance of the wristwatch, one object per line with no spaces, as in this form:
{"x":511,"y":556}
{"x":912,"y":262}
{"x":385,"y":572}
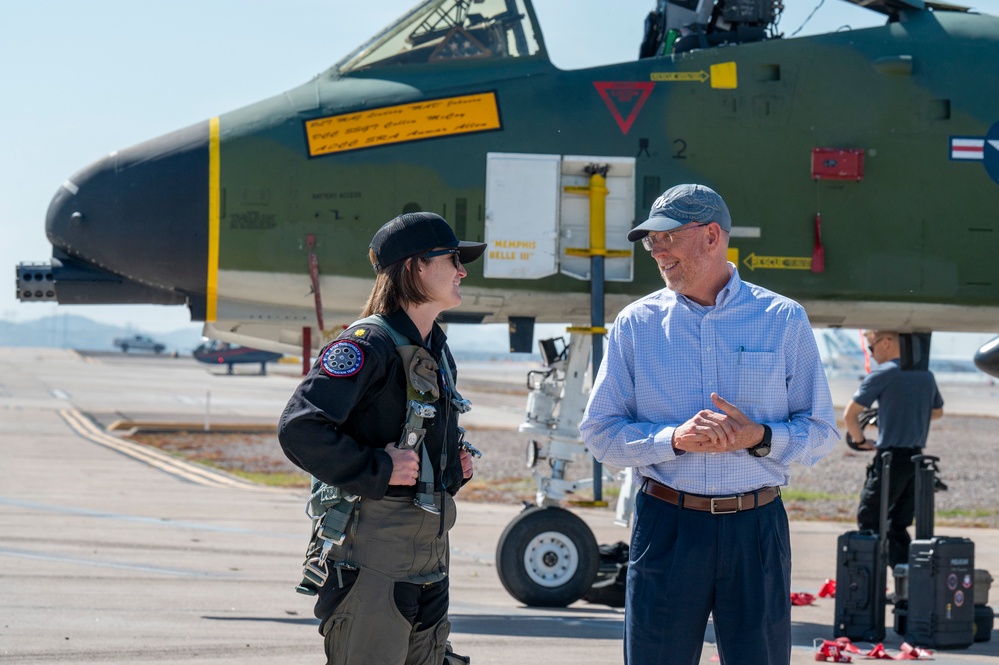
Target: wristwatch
{"x":762,"y":449}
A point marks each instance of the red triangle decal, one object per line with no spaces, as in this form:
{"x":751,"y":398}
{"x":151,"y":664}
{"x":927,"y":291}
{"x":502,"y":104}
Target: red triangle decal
{"x":624,"y":99}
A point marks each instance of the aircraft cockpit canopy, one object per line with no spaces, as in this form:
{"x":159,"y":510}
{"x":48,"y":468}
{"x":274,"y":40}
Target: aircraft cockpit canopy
{"x":450,"y":30}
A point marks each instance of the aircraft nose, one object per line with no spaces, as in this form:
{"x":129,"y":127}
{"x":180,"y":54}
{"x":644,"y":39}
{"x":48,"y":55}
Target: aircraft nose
{"x":987,"y":358}
{"x":141,"y":212}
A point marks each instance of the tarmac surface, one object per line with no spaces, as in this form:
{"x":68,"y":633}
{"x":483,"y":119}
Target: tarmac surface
{"x":112,"y":553}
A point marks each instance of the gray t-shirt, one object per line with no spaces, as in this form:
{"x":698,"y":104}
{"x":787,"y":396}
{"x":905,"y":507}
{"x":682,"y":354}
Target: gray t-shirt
{"x":905,"y":402}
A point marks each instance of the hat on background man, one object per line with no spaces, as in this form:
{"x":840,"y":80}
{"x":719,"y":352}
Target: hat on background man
{"x":682,"y":205}
{"x":414,"y":233}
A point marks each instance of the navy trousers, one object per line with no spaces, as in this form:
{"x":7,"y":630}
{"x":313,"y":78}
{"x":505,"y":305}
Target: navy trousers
{"x":687,"y":564}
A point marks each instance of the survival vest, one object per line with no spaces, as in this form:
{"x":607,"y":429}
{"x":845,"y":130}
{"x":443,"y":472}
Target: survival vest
{"x":330,"y":508}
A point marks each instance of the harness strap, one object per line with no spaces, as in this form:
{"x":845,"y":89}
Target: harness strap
{"x":330,"y":511}
{"x":418,"y":408}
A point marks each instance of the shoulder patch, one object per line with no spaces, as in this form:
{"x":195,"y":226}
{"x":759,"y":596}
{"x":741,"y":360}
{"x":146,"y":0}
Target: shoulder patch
{"x":342,"y":358}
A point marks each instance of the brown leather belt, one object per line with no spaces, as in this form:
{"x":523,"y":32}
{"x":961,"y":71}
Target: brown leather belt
{"x":716,"y":505}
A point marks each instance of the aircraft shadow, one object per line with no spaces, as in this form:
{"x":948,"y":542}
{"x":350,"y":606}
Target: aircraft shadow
{"x":602,"y":628}
{"x":598,"y":628}
{"x":805,"y":634}
{"x":305,"y":621}
{"x":559,"y":626}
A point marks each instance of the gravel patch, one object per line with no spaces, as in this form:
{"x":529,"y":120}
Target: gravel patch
{"x":966,"y":445}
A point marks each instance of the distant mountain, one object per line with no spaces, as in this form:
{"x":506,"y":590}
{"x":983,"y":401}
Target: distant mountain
{"x":70,"y":331}
{"x":78,"y":332}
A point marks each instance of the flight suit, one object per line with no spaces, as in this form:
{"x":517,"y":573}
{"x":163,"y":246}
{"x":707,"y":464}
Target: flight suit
{"x":386,"y":601}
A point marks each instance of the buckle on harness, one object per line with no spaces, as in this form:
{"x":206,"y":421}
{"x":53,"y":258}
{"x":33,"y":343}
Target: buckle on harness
{"x":463,"y":444}
{"x":422,"y":410}
{"x":411,"y":437}
{"x":428,"y":506}
{"x":716,"y":511}
{"x":316,"y":571}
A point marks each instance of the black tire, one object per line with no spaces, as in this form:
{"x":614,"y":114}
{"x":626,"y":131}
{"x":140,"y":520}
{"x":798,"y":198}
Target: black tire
{"x":984,"y":620}
{"x":547,"y":557}
{"x":124,"y":348}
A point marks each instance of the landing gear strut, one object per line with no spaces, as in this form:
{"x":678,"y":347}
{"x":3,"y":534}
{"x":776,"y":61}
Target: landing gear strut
{"x":547,"y":556}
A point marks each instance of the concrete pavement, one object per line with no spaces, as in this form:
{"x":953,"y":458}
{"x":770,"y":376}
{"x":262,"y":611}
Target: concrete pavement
{"x":110,"y":557}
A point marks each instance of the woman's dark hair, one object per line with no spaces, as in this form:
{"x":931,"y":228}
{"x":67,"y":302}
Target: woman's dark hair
{"x":396,"y":286}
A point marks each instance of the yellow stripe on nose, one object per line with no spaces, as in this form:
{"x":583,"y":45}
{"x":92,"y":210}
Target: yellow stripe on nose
{"x":214,"y":208}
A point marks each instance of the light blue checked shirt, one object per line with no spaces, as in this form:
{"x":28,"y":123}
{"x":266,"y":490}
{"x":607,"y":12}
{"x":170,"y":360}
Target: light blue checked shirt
{"x":666,"y":354}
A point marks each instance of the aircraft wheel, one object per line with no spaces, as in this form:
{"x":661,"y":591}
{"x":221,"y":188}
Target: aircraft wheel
{"x":547,"y":557}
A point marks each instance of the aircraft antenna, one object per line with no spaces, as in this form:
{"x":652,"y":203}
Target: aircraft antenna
{"x":809,"y":18}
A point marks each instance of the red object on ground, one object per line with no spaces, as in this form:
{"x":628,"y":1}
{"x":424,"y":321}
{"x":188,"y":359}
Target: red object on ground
{"x":843,"y":645}
{"x":831,"y":652}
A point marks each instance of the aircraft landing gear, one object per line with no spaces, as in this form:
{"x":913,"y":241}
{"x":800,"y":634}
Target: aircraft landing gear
{"x":547,"y":557}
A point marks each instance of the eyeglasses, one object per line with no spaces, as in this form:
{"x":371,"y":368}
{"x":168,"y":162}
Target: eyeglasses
{"x":649,"y":242}
{"x":441,"y":252}
{"x":870,"y":347}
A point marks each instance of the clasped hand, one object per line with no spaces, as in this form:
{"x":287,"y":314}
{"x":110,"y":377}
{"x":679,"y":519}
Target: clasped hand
{"x":714,"y":432}
{"x":406,"y":465}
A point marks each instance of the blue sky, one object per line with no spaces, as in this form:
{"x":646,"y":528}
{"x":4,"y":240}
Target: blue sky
{"x":81,"y":79}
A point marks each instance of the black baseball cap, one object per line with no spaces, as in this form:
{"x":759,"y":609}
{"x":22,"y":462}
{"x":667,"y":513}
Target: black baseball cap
{"x":415,"y":233}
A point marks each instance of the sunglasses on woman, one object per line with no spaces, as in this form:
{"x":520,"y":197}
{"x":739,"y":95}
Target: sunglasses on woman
{"x":441,"y":252}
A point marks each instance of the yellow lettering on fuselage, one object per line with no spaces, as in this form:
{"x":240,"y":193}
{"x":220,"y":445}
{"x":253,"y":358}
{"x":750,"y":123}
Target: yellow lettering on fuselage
{"x":403,"y":123}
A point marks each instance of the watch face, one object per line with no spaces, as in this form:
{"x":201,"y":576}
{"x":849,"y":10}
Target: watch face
{"x":762,"y":449}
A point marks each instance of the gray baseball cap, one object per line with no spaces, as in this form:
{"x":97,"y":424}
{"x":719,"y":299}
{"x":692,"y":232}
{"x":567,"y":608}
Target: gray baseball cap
{"x":684,"y":204}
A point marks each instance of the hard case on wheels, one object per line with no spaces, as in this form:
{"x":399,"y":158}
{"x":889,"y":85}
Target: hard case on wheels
{"x":861,"y":576}
{"x":860,"y":601}
{"x":941,"y":611}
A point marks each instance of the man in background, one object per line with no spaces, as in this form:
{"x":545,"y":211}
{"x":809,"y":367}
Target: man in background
{"x":907,"y":402}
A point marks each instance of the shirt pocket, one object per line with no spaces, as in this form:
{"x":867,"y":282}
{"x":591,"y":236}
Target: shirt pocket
{"x":756,"y":383}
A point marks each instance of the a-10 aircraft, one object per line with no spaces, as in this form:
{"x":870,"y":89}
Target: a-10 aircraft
{"x":861,"y":168}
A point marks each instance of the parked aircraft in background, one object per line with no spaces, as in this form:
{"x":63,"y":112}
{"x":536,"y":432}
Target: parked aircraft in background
{"x":215,"y":352}
{"x":843,"y":355}
{"x":841,"y":351}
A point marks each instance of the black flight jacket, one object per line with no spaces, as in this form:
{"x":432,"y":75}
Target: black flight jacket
{"x":336,"y":427}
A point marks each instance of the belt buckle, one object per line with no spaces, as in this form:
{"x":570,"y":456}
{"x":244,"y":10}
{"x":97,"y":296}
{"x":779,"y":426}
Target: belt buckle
{"x":738,"y":504}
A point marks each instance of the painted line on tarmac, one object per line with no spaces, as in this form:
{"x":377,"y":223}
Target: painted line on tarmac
{"x":155,"y":521}
{"x":175,"y":572}
{"x":176,"y":467}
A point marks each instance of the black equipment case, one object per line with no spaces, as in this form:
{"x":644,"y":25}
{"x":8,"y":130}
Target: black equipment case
{"x":941,"y":608}
{"x":939,"y":582}
{"x":861,"y":576}
{"x":859,"y":604}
